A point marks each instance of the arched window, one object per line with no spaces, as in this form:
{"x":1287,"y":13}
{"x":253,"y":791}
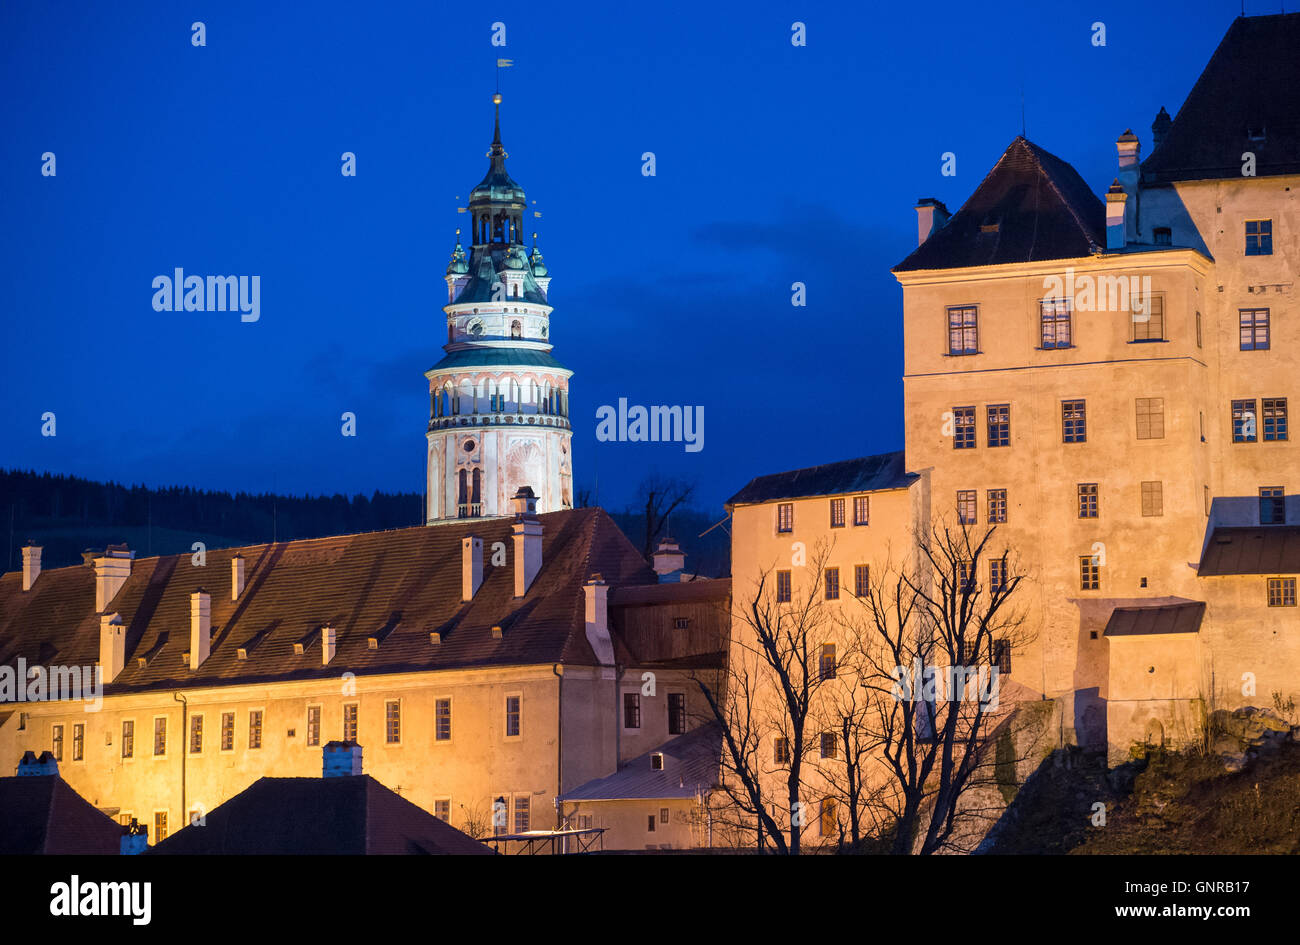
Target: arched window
{"x":516,"y":330}
{"x":476,"y":496}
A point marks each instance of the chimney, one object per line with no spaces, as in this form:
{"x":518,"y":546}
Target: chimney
{"x":112,"y":646}
{"x":1130,"y":151}
{"x":32,"y":767}
{"x":931,"y":214}
{"x":135,"y":838}
{"x":1160,"y":128}
{"x":112,"y":568}
{"x":471,"y":566}
{"x":528,"y":539}
{"x":236,"y":576}
{"x":200,"y":627}
{"x":327,"y":638}
{"x":668,"y":561}
{"x":1116,"y":199}
{"x":341,"y":759}
{"x":31,"y":565}
{"x":597,"y":619}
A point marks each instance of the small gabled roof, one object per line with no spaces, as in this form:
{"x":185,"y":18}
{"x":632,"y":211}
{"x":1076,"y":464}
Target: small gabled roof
{"x":1181,"y":617}
{"x":1032,"y":206}
{"x":40,"y":814}
{"x":690,"y":764}
{"x":1252,"y":549}
{"x":1246,"y":99}
{"x":865,"y":474}
{"x":319,"y":816}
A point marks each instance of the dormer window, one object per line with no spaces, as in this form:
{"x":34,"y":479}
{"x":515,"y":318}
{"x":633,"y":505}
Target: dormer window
{"x":1162,"y":236}
{"x":656,"y":761}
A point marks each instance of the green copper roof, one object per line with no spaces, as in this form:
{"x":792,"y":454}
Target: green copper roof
{"x":498,"y":357}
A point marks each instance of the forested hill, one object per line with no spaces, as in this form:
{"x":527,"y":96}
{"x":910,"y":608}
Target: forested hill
{"x":68,"y":514}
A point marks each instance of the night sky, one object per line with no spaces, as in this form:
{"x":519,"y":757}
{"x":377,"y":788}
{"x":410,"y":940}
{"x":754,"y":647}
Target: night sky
{"x":775,"y":164}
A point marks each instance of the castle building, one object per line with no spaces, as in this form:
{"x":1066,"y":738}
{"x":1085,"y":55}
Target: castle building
{"x":498,"y":399}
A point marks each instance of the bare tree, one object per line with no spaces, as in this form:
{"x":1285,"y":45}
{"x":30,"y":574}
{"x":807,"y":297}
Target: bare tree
{"x":662,"y":496}
{"x":931,"y":639}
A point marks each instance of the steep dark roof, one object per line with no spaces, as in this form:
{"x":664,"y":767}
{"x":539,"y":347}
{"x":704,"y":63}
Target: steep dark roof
{"x":1262,"y":549}
{"x":398,"y":585}
{"x":690,"y":763}
{"x":41,"y":814}
{"x":1251,"y":85}
{"x":319,"y":816}
{"x":1031,"y":206}
{"x":1182,"y":617}
{"x":867,"y":473}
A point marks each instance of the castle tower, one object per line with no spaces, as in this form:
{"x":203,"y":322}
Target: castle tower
{"x":498,"y":400}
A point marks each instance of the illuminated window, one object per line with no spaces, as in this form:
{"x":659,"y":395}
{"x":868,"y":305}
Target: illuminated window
{"x":861,"y":510}
{"x":1274,"y":419}
{"x":196,"y":734}
{"x":350,"y":722}
{"x":829,"y":817}
{"x":832,"y":583}
{"x":1254,"y":329}
{"x":997,"y":506}
{"x":513,"y":713}
{"x":523,"y":813}
{"x":442,"y":809}
{"x":1281,"y":592}
{"x":128,"y":738}
{"x":1244,"y":424}
{"x":785,"y":517}
{"x":79,"y":741}
{"x":966,"y":513}
{"x":963,"y":330}
{"x":837,"y":513}
{"x":999,"y":423}
{"x":255,"y":728}
{"x":442,"y":720}
{"x":826,"y":662}
{"x":313,"y":725}
{"x":393,"y":721}
{"x":1074,"y":421}
{"x":963,"y":437}
{"x":1054,"y":315}
{"x":160,"y":736}
{"x":159,"y":826}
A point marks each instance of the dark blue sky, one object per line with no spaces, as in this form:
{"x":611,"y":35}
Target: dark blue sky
{"x":775,"y":164}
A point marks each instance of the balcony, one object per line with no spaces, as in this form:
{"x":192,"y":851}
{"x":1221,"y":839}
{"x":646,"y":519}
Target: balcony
{"x":469,"y":510}
{"x":499,"y":420}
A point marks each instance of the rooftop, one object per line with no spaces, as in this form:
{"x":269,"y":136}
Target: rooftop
{"x":865,"y":474}
{"x":690,"y":764}
{"x":1258,"y":549}
{"x":42,"y":815}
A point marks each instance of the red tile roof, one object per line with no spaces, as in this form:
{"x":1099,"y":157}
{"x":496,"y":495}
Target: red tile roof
{"x":406,"y":582}
{"x":319,"y":816}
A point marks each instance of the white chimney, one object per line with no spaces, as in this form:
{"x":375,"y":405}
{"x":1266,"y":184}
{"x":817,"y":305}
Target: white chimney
{"x":236,"y":576}
{"x":931,"y":214}
{"x":1116,"y":199}
{"x":1129,"y":151}
{"x":200,"y":627}
{"x":112,"y":646}
{"x":668,"y":561}
{"x":341,"y":760}
{"x":528,"y":539}
{"x":327,"y":638}
{"x":471,"y":566}
{"x":597,"y":619}
{"x":112,"y":568}
{"x":31,"y":565}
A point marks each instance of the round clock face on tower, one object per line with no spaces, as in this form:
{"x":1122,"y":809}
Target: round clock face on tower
{"x":476,"y":328}
{"x":469,"y":446}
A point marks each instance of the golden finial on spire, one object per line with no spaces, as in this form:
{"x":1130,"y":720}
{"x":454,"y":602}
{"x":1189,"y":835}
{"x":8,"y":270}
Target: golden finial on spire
{"x":496,"y":98}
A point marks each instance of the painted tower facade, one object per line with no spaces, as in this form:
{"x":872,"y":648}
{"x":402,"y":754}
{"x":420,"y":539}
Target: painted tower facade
{"x":498,"y":400}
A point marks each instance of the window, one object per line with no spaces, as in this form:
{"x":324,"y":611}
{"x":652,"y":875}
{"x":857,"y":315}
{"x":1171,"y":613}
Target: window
{"x":963,"y":428}
{"x":523,"y":812}
{"x":1150,"y":418}
{"x":1149,"y":318}
{"x":1153,"y":500}
{"x":1254,"y":329}
{"x":393,"y":721}
{"x":1274,"y":419}
{"x":1089,"y":574}
{"x":997,"y":506}
{"x":350,"y":722}
{"x":56,"y":741}
{"x":783,"y":586}
{"x":966,"y":507}
{"x":1087,"y":500}
{"x":832,"y":583}
{"x":1055,"y":317}
{"x":861,"y":510}
{"x":442,"y":720}
{"x":442,"y":809}
{"x":196,"y":734}
{"x":313,"y":727}
{"x":1002,"y":656}
{"x":997,"y":574}
{"x":837,"y":513}
{"x":1281,"y":592}
{"x":513,"y":714}
{"x":1198,"y":329}
{"x":1074,"y":421}
{"x":631,"y":710}
{"x":861,"y":580}
{"x":681,"y":623}
{"x":826,"y":661}
{"x":828,"y":745}
{"x":830,"y":821}
{"x":1272,"y":507}
{"x":255,"y":728}
{"x":1259,"y":237}
{"x":785,"y":517}
{"x":79,"y":741}
{"x":965,"y":575}
{"x":160,"y":736}
{"x":1162,"y":236}
{"x":676,"y":713}
{"x":963,"y":330}
{"x":1207,"y":499}
{"x":1243,"y":421}
{"x":650,"y":823}
{"x":159,"y":826}
{"x":663,"y":815}
{"x":780,"y":751}
{"x":999,"y":418}
{"x":128,"y":738}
